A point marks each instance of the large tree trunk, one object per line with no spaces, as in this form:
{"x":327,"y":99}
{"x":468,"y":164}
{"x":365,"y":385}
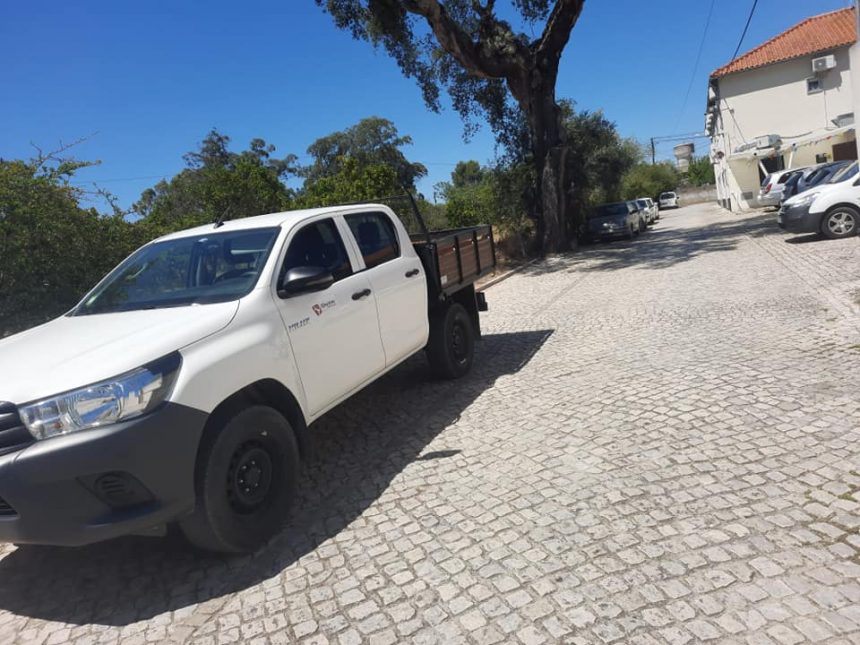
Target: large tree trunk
{"x":550,"y":153}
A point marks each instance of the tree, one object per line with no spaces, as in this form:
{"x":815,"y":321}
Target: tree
{"x":353,"y":182}
{"x":483,"y":62}
{"x":701,"y":172}
{"x":218,"y":183}
{"x":598,"y":161}
{"x":373,"y":140}
{"x":649,"y":180}
{"x":52,"y":250}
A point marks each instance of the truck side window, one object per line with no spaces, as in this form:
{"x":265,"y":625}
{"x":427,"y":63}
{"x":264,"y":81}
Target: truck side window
{"x":376,"y":237}
{"x":318,"y":245}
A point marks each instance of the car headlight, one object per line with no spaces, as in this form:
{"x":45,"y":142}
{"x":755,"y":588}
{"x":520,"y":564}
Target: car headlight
{"x":804,"y":199}
{"x":127,"y":396}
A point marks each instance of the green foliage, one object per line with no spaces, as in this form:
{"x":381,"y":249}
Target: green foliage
{"x":597,"y":160}
{"x":353,"y":182}
{"x":701,"y":172}
{"x":647,"y":180}
{"x":218,"y":184}
{"x":490,"y":195}
{"x":51,"y":249}
{"x":372,"y":141}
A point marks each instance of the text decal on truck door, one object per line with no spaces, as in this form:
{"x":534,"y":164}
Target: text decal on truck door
{"x":298,"y":324}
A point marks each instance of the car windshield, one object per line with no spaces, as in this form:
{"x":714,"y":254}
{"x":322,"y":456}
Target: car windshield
{"x":610,"y":209}
{"x":642,"y":203}
{"x":201,"y":269}
{"x":844,"y":173}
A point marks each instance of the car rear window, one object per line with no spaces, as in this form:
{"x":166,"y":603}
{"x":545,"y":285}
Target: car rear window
{"x":610,"y":209}
{"x":667,"y":196}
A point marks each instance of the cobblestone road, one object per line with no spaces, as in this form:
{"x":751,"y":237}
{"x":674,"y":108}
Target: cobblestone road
{"x":659,"y":444}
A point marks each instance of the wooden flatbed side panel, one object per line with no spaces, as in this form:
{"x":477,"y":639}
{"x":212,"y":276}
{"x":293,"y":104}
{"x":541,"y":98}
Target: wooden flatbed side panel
{"x":485,"y":252}
{"x":449,"y":270}
{"x":468,"y":256}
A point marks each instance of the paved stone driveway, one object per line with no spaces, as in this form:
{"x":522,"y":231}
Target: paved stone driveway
{"x":659,"y":443}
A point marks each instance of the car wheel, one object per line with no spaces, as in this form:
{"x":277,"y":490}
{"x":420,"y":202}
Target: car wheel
{"x":246,"y":480}
{"x":630,"y":233}
{"x":840,"y":222}
{"x":642,"y":226}
{"x":451,"y":348}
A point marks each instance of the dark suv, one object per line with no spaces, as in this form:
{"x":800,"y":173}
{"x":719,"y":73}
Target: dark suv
{"x":619,"y":219}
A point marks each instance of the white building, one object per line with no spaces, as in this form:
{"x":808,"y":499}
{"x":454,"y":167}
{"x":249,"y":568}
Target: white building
{"x":785,"y":104}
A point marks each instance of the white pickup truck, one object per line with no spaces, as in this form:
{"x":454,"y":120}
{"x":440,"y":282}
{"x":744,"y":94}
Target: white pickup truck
{"x":180,"y":389}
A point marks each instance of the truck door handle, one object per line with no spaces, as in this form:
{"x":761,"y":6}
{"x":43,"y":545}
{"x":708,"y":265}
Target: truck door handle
{"x":358,"y":295}
{"x":412,"y":273}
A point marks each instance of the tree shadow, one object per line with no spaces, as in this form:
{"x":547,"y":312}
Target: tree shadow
{"x":664,"y":245}
{"x":359,"y":447}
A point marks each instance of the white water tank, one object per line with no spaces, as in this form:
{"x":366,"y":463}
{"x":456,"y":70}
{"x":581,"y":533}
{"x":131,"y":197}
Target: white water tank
{"x":683,"y":155}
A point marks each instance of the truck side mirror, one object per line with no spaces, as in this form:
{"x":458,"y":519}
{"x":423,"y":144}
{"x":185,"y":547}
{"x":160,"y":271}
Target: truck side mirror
{"x":306,"y":279}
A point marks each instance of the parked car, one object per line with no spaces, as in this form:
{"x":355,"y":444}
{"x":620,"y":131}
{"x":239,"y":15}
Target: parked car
{"x":669,"y":200}
{"x":180,"y":388}
{"x":654,"y":208}
{"x":770,"y":193}
{"x":832,"y":209}
{"x":803,"y":180}
{"x":650,"y":209}
{"x":618,"y":219}
{"x":644,"y":215}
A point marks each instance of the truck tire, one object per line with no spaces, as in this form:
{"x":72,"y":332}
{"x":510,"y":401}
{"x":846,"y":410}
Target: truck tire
{"x":840,"y":221}
{"x":246,"y":479}
{"x":451,"y":348}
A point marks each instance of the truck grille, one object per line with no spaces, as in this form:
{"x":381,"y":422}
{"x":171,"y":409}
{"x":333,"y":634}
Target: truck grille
{"x":13,"y":435}
{"x":5,"y":509}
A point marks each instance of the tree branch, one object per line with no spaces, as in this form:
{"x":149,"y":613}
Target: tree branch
{"x":558,"y":27}
{"x":473,"y":56}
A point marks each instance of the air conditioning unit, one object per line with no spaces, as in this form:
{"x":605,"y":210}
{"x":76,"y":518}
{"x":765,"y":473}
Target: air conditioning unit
{"x":823,"y":63}
{"x":768,"y":141}
{"x":744,"y":147}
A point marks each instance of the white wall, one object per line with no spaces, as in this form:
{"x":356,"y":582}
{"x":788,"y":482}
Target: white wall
{"x":854,"y":56}
{"x":773,"y":99}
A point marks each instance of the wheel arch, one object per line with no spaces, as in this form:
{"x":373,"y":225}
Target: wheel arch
{"x":268,"y":392}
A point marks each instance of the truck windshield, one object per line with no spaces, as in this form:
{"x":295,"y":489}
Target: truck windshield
{"x":216,"y":267}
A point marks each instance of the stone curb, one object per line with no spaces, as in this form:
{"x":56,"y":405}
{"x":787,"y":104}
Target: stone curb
{"x":506,"y":275}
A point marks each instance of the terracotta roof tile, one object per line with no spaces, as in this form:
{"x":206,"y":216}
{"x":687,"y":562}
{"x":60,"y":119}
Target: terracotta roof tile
{"x":813,"y":35}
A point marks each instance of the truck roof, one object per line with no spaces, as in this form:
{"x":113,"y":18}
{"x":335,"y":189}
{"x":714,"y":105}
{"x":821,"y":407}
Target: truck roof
{"x":289,"y":218}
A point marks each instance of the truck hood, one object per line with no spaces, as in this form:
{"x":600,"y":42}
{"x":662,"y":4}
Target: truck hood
{"x":73,"y":351}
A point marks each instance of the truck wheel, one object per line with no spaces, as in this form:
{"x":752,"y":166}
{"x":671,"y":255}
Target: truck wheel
{"x":452,"y":343}
{"x":246,"y":480}
{"x":840,"y":222}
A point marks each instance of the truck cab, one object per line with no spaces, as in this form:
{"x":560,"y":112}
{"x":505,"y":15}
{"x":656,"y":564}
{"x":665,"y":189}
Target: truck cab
{"x":180,"y":389}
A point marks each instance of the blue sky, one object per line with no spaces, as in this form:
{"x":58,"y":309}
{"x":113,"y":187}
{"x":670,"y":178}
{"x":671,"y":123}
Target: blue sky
{"x":151,"y":78}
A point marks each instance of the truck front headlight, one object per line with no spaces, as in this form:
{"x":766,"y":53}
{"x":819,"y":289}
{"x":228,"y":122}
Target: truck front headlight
{"x":125,"y":397}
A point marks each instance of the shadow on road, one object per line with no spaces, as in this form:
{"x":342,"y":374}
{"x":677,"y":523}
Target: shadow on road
{"x":667,"y":244}
{"x":806,"y":239}
{"x":359,"y":448}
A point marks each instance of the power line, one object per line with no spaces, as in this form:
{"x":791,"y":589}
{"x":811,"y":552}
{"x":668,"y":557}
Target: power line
{"x":695,"y":65}
{"x":747,"y":26}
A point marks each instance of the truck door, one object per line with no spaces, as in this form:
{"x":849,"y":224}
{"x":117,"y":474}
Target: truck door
{"x":398,"y":281}
{"x":334,"y":333}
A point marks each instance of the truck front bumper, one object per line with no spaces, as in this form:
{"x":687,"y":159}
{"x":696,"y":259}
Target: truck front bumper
{"x":102,"y":483}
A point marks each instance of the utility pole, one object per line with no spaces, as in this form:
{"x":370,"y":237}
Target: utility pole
{"x":653,"y":152}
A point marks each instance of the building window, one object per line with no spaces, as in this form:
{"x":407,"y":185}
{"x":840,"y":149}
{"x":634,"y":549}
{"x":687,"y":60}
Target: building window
{"x":813,"y":85}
